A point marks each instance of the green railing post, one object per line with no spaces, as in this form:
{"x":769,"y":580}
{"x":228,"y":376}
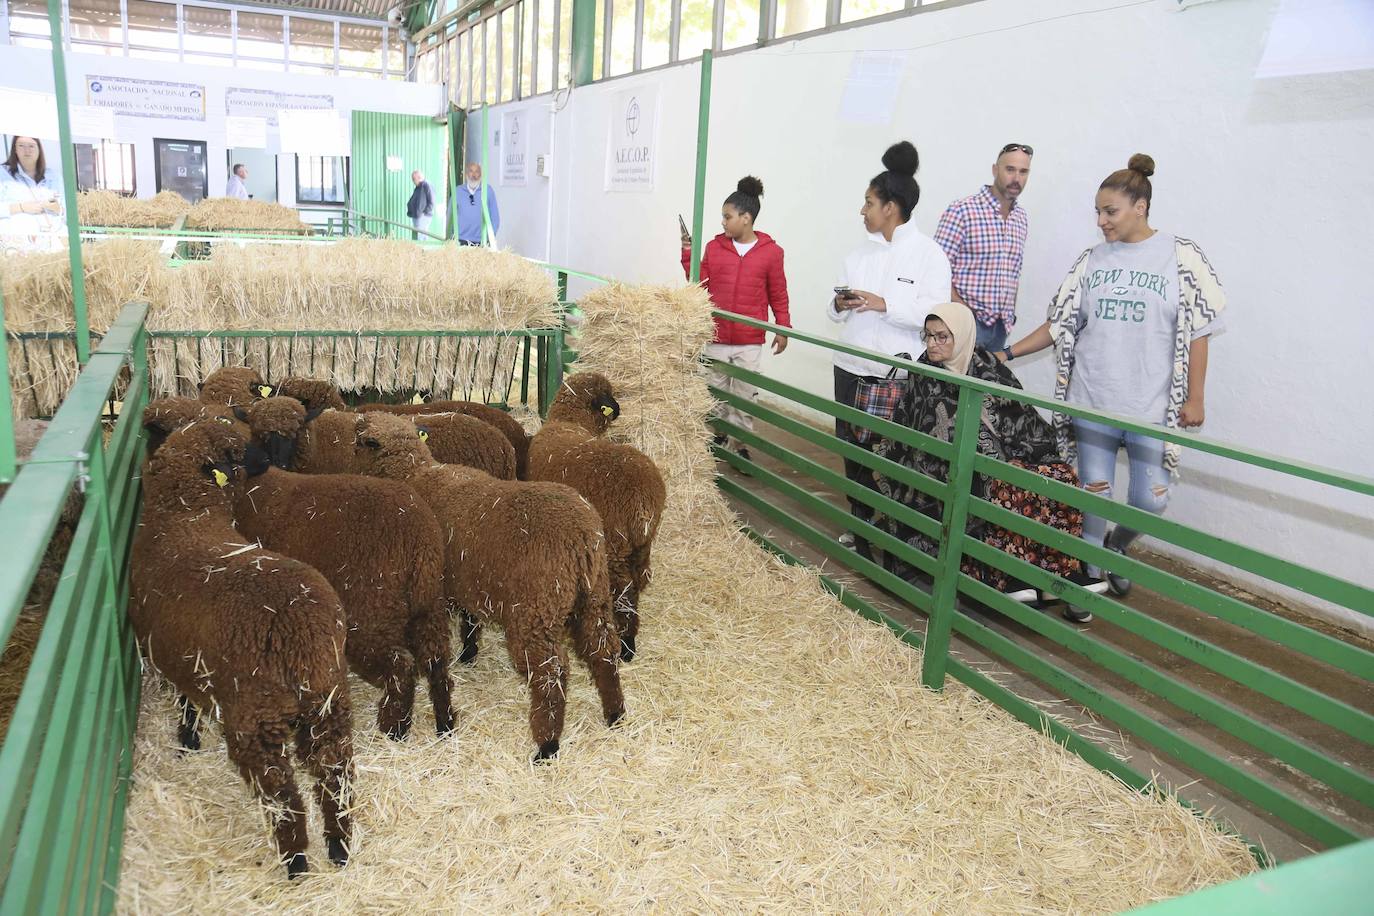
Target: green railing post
{"x":64,"y":137}
{"x":562,"y":286}
{"x":699,"y":193}
{"x":583,"y":40}
{"x":967,"y":418}
{"x":7,"y":454}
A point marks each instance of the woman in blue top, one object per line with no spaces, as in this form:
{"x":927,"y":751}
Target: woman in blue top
{"x":30,"y":195}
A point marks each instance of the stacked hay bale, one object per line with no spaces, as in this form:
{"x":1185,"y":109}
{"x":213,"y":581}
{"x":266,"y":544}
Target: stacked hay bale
{"x":106,"y":208}
{"x":354,"y":286}
{"x":216,"y":214}
{"x":779,"y":753}
{"x":38,"y":300}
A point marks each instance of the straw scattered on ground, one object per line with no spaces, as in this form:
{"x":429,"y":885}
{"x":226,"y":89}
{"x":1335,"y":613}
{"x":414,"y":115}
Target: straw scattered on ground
{"x":779,"y":754}
{"x":106,"y":208}
{"x":215,"y":214}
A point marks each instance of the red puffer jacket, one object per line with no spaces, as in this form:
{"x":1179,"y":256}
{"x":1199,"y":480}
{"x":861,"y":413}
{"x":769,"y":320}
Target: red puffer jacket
{"x":748,"y":285}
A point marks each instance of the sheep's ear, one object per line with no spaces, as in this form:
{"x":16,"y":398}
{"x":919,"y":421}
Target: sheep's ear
{"x":240,"y":413}
{"x":263,"y":391}
{"x":607,"y":405}
{"x":424,"y":433}
{"x":369,"y":442}
{"x":314,"y":412}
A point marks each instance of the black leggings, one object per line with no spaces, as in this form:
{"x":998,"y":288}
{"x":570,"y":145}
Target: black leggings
{"x":846,"y":388}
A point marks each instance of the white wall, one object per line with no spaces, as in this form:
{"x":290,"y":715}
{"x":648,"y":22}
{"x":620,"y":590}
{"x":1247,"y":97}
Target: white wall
{"x":30,"y":68}
{"x":1270,"y":176}
{"x":524,"y":209}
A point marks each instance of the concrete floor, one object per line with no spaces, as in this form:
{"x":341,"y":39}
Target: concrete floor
{"x":1282,"y":841}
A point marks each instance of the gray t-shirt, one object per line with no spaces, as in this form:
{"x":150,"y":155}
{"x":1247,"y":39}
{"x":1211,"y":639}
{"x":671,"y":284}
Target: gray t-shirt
{"x":1123,"y":357}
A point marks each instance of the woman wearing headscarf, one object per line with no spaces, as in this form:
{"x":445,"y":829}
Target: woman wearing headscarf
{"x":1010,"y":431}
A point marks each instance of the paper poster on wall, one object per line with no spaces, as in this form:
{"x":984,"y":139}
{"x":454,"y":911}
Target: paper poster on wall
{"x":245,"y":133}
{"x":870,"y":92}
{"x":265,"y":103}
{"x":515,"y":128}
{"x":314,"y":133}
{"x":28,"y":114}
{"x":147,"y":98}
{"x":393,"y":164}
{"x":91,"y":123}
{"x":632,"y":140}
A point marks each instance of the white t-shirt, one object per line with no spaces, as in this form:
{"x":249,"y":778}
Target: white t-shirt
{"x":235,"y":188}
{"x":743,"y":247}
{"x":911,"y":273}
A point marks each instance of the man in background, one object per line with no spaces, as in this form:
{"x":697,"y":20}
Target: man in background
{"x":236,"y":187}
{"x":420,"y":209}
{"x":984,"y":237}
{"x":470,"y":208}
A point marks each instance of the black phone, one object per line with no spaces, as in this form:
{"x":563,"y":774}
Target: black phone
{"x":683,"y":224}
{"x":844,"y":292}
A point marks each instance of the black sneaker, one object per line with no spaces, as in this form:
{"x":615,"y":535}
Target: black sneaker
{"x":1017,"y":590}
{"x":744,"y":453}
{"x":1077,"y":614}
{"x":719,"y":440}
{"x":1120,"y":585}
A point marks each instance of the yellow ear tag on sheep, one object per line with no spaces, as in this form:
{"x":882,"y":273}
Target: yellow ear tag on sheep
{"x":424,"y":436}
{"x":607,"y":409}
{"x":221,"y":478}
{"x":265,"y":391}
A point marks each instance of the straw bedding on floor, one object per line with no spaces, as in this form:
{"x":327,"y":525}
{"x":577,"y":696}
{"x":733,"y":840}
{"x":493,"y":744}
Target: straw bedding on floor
{"x":779,"y":754}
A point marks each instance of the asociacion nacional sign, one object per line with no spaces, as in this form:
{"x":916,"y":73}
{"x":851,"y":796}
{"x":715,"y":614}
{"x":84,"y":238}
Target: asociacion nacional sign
{"x":146,"y":98}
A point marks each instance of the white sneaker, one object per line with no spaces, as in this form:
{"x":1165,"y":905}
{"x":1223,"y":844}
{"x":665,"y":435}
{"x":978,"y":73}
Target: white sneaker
{"x":847,"y":540}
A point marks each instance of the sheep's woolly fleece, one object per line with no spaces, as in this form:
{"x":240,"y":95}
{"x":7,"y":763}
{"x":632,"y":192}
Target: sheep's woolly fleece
{"x":779,"y":754}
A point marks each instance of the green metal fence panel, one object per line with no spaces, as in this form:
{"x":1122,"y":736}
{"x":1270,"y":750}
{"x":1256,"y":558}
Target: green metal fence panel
{"x":418,"y":142}
{"x":1281,"y":741}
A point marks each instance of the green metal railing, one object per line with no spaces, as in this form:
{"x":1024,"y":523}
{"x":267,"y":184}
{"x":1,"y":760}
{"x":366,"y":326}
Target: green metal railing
{"x":64,"y":765}
{"x":1285,"y":741}
{"x":347,"y":222}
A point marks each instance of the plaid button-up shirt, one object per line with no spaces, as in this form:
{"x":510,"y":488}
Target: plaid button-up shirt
{"x":984,"y":252}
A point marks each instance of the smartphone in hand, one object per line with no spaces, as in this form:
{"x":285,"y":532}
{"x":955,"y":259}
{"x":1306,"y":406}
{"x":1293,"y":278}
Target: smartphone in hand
{"x":683,"y":225}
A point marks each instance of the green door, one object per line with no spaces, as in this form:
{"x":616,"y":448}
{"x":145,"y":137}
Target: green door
{"x":386,"y":149}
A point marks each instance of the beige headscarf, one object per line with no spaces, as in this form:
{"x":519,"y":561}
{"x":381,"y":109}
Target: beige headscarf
{"x":959,"y":319}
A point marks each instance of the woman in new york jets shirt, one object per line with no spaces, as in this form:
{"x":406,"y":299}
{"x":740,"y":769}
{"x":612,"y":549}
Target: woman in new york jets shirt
{"x":1129,"y":326}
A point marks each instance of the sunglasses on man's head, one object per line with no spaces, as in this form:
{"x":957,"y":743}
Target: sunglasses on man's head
{"x":1017,"y":148}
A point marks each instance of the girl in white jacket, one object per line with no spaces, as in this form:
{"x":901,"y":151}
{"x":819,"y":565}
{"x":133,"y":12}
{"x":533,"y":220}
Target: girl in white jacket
{"x":893,"y":280}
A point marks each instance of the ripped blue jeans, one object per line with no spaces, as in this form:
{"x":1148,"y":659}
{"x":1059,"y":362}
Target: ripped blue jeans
{"x":1098,"y":445}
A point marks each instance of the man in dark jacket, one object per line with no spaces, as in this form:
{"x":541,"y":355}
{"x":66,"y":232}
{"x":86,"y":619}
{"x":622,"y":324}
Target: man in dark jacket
{"x":421,"y":206}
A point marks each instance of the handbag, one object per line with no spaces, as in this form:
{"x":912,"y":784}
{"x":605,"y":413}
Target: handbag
{"x":878,"y":399}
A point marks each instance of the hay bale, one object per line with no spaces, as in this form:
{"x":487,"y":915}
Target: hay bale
{"x":216,"y":214}
{"x":779,"y":754}
{"x":106,"y":208}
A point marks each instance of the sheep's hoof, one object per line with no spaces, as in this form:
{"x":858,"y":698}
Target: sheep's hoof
{"x":445,"y":728}
{"x":615,"y":718}
{"x":189,"y":737}
{"x":627,"y":648}
{"x":296,"y":866}
{"x":468,"y":655}
{"x":547,"y":751}
{"x":399,"y":730}
{"x":338,"y":851}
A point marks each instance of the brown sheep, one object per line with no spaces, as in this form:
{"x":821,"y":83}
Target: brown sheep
{"x":252,"y":634}
{"x":509,"y":426}
{"x":164,"y":416}
{"x":530,"y":556}
{"x":381,"y":549}
{"x":455,"y":438}
{"x":621,"y":482}
{"x":315,"y":393}
{"x":234,"y":386}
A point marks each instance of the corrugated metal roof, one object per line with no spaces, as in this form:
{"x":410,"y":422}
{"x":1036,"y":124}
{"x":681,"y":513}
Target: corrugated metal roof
{"x":367,"y":9}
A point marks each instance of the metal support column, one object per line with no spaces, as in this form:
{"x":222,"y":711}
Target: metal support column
{"x":64,"y":136}
{"x":699,"y":194}
{"x":583,"y":40}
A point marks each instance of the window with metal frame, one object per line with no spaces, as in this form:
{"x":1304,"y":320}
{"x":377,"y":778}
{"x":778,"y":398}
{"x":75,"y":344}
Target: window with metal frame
{"x":105,"y":166}
{"x":322,"y":179}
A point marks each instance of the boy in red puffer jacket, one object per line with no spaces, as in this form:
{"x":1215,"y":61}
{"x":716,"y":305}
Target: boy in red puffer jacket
{"x":742,"y":270}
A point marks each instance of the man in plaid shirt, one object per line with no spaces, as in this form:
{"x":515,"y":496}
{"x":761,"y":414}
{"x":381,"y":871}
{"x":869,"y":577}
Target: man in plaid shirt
{"x":984,"y":237}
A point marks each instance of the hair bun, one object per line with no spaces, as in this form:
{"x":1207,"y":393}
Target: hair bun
{"x":902,"y":158}
{"x":750,"y":185}
{"x":1141,"y":163}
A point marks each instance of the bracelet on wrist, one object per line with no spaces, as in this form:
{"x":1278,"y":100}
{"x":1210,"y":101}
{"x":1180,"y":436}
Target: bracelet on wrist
{"x":1006,"y":351}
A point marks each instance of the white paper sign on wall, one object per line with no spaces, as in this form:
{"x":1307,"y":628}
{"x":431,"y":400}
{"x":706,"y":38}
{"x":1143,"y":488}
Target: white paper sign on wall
{"x":147,"y":98}
{"x":91,"y":123}
{"x":870,"y":92}
{"x":28,"y":114}
{"x":632,"y":140}
{"x":394,"y":164}
{"x":245,"y":133}
{"x":265,"y":103}
{"x":314,"y":133}
{"x":515,"y":145}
